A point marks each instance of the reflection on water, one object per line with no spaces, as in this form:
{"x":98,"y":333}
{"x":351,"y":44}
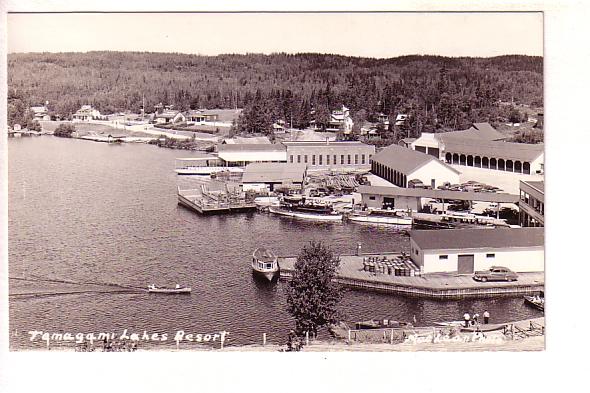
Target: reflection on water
{"x":83,"y":213}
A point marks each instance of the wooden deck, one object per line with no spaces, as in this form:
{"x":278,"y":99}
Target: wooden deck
{"x":438,"y":286}
{"x":208,"y":204}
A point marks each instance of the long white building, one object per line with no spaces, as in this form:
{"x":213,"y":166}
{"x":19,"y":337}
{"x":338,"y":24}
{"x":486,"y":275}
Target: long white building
{"x":464,"y":251}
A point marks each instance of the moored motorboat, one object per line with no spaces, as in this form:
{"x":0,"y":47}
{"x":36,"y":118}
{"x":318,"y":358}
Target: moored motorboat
{"x":535,"y":301}
{"x":380,"y":216}
{"x":176,"y":290}
{"x":265,"y":263}
{"x":298,"y":207}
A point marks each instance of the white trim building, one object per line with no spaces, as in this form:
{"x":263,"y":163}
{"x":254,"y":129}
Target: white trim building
{"x":399,"y":165}
{"x":464,"y":251}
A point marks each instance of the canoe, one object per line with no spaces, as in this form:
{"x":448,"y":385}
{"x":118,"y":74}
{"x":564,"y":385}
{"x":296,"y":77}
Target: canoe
{"x":484,"y":328}
{"x":181,"y":290}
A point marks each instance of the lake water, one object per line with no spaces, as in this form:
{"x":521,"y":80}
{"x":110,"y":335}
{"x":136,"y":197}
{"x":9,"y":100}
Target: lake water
{"x":88,"y":222}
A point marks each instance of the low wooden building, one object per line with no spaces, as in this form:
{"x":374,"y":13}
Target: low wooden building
{"x":464,"y":251}
{"x":269,"y":176}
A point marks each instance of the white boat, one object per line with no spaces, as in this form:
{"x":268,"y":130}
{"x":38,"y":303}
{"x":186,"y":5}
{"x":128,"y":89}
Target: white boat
{"x":306,"y":215}
{"x":266,"y":201}
{"x":178,"y":289}
{"x":265,"y":263}
{"x":203,"y":166}
{"x":381,"y":217}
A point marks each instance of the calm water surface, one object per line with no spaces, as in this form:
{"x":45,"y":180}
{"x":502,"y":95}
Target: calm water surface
{"x":90,"y":221}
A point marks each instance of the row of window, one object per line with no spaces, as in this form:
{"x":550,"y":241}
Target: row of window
{"x":445,"y":257}
{"x":329,"y":159}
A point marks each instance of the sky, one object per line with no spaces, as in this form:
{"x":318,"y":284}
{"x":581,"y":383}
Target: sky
{"x":378,"y":35}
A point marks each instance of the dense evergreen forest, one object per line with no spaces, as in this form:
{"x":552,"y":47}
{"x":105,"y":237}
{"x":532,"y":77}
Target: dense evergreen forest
{"x":438,"y":93}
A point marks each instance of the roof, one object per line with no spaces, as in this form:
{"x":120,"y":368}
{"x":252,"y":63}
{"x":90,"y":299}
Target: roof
{"x":264,"y":255}
{"x":457,"y":239}
{"x":273,"y":172}
{"x":252,"y":152}
{"x":324,"y":143}
{"x":538,"y":185}
{"x":168,"y":114}
{"x":250,"y":140}
{"x":406,"y":160}
{"x":478,"y":131}
{"x":439,"y":194}
{"x":497,"y":149}
{"x":232,"y":147}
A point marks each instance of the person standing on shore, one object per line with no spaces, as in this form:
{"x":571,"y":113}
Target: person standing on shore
{"x":486,"y":317}
{"x":466,"y":317}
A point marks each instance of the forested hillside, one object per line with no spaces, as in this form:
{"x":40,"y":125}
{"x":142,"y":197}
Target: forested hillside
{"x":436,"y":92}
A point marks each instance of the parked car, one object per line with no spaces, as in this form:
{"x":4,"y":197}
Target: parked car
{"x":415,"y":183}
{"x":495,"y":273}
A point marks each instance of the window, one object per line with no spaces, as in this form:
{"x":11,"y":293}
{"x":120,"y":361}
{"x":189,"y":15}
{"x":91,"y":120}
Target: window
{"x":372,"y":198}
{"x":313,"y":160}
{"x":320,"y":158}
{"x":305,"y":158}
{"x":291,"y":158}
{"x":443,"y":257}
{"x":298,"y":159}
{"x":335,"y":161}
{"x":356,"y":159}
{"x":416,"y":251}
{"x":490,"y":255}
{"x":328,"y":159}
{"x":342,"y":159}
{"x":363,"y":159}
{"x":348,"y":159}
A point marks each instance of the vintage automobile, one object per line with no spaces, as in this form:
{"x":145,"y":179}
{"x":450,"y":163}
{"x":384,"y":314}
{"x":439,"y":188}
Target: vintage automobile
{"x":495,"y":273}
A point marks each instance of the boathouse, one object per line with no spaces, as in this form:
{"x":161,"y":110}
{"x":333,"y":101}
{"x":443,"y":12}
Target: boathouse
{"x":532,"y":204}
{"x":330,"y":155}
{"x":481,"y":146}
{"x":399,"y":165}
{"x":464,"y":251}
{"x":270,"y":175}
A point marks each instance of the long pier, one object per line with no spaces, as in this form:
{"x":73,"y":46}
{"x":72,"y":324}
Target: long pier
{"x":352,"y":274}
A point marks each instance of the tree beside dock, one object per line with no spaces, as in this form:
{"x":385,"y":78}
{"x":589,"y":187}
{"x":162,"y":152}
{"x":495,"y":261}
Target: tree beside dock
{"x":312,"y":296}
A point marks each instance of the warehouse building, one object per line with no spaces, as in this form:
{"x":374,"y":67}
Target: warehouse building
{"x":244,"y":154}
{"x":269,"y":176}
{"x":399,"y":165}
{"x":329,"y":155}
{"x":464,"y":251}
{"x":532,"y":204}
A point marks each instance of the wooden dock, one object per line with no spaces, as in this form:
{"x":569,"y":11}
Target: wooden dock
{"x":204,"y":202}
{"x":352,"y":274}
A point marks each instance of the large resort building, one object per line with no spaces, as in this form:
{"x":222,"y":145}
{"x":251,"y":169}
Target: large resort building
{"x":330,"y":155}
{"x":400,"y":165}
{"x":532,"y":204}
{"x":481,"y":146}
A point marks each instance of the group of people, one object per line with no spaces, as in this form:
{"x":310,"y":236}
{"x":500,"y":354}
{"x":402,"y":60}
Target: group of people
{"x":293,"y":342}
{"x":473,"y":320}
